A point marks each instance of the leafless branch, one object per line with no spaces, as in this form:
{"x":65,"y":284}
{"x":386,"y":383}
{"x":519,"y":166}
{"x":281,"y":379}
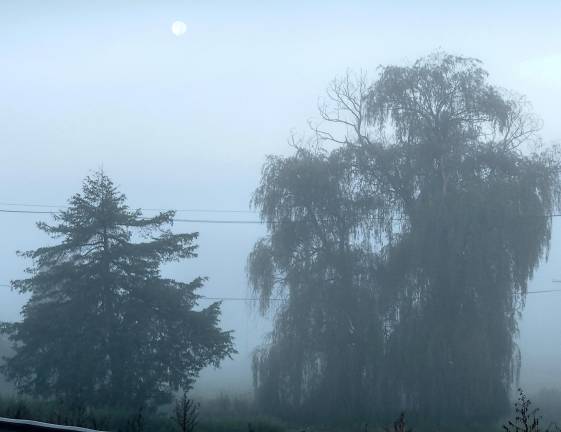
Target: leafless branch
{"x":344,"y":107}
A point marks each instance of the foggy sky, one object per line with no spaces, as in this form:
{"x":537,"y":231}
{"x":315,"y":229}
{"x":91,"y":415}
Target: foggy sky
{"x":186,"y":122}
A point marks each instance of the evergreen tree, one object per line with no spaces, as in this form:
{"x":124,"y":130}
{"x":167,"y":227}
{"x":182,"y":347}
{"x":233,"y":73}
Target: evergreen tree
{"x":102,"y":326}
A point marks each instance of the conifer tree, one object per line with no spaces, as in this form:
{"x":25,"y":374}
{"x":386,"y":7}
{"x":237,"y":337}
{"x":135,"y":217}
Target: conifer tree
{"x":102,"y":325}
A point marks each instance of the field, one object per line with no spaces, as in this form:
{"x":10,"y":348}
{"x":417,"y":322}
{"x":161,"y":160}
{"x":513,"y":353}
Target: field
{"x":237,"y":415}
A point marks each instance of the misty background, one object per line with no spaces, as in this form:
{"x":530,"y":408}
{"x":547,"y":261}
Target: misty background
{"x":186,"y":122}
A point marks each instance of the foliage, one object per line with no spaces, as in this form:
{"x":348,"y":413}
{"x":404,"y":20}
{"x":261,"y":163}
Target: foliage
{"x":5,"y":351}
{"x":122,"y":420}
{"x":316,"y":251}
{"x":549,"y":401}
{"x":399,"y":425}
{"x":186,"y":413}
{"x":526,"y":419}
{"x":404,"y":251}
{"x":102,"y":326}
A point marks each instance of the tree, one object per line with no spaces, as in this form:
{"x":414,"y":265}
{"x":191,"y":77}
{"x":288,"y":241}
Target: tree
{"x":445,"y":208}
{"x":102,"y":326}
{"x":325,"y":342}
{"x":475,"y":224}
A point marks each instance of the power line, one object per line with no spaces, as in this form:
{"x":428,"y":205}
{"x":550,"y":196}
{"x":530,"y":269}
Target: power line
{"x":543,"y":291}
{"x":209,"y":221}
{"x":27,"y":211}
{"x":239,"y":298}
{"x":11,"y":204}
{"x":223,"y":221}
{"x":215,"y":221}
{"x":195,"y":210}
{"x":281,"y":299}
{"x":211,"y":298}
{"x":59,"y":207}
{"x":189,"y":210}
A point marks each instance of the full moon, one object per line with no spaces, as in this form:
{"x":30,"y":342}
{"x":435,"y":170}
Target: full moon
{"x":178,"y":28}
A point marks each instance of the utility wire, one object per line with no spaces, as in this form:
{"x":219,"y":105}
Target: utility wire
{"x":222,"y":221}
{"x":210,"y":298}
{"x":214,"y":221}
{"x":203,"y":210}
{"x":11,"y":204}
{"x":238,"y":298}
{"x":210,"y":221}
{"x":27,"y":211}
{"x":543,"y":291}
{"x":191,"y":210}
{"x":280,"y":299}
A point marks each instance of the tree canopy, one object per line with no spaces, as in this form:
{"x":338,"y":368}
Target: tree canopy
{"x":403,"y":245}
{"x":102,"y":325}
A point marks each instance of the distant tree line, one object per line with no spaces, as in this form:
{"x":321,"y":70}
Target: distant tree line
{"x":402,"y":237}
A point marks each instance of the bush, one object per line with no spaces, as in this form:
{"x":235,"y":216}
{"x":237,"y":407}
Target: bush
{"x":549,"y":401}
{"x":526,"y":418}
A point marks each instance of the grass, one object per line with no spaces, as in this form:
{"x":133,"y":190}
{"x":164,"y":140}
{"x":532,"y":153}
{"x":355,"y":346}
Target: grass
{"x":114,"y":420}
{"x":231,"y":414}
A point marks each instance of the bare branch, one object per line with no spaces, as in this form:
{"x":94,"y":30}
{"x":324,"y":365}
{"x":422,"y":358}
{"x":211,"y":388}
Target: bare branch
{"x":344,"y":108}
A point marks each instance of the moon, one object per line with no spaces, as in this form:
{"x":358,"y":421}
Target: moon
{"x":178,"y":28}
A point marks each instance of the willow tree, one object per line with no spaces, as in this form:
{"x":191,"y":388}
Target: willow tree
{"x":448,"y":206}
{"x":316,"y":255}
{"x":475,"y":224}
{"x":102,"y":326}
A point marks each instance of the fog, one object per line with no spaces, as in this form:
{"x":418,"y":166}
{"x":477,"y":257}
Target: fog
{"x":186,"y":122}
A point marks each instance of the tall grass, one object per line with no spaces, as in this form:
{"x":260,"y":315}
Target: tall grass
{"x":115,"y":420}
{"x":238,"y":414}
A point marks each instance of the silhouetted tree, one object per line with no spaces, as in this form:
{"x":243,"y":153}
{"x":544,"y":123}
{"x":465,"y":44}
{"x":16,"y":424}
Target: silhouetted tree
{"x":102,"y":326}
{"x":525,"y":419}
{"x":186,"y":413}
{"x":404,"y":252}
{"x":325,"y":342}
{"x":474,"y":223}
